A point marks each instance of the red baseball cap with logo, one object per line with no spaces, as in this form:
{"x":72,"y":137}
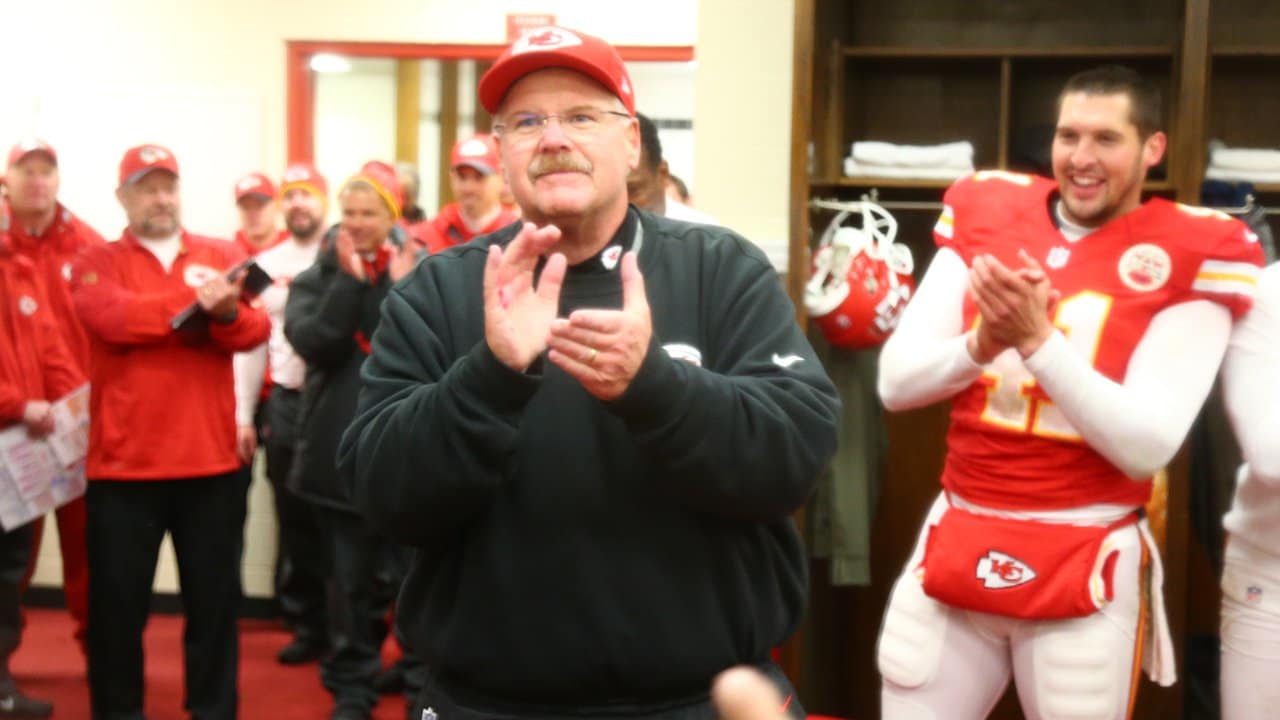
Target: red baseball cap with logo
{"x":384,"y":181}
{"x":304,"y":175}
{"x":23,"y":148}
{"x":140,"y":160}
{"x":552,"y":46}
{"x":255,"y":184}
{"x":479,"y":152}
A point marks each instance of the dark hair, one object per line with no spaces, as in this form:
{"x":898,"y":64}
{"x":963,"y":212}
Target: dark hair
{"x":1146,"y":110}
{"x":649,"y":141}
{"x":680,"y":187}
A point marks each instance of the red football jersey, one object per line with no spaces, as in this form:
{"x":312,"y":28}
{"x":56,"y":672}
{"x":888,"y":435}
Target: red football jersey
{"x":1008,"y":445}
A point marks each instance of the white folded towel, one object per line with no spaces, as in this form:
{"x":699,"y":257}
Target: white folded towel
{"x":1264,"y":159}
{"x":1216,"y":172}
{"x":947,"y":155}
{"x":853,"y":168}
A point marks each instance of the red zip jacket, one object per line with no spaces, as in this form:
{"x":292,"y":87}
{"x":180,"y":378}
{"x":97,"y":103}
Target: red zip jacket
{"x":53,"y":253}
{"x":34,"y":362}
{"x":162,"y":403}
{"x":448,"y":228}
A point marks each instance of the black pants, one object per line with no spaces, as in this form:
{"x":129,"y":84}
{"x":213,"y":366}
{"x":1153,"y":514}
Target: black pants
{"x":360,"y":594}
{"x":302,"y":557}
{"x":452,"y":704}
{"x":15,"y":552}
{"x":127,"y":521}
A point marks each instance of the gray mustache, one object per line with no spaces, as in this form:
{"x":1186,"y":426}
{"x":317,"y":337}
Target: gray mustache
{"x":560,"y":162}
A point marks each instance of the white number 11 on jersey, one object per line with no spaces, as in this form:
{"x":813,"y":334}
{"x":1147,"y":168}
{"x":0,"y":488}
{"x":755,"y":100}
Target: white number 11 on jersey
{"x":1015,"y":401}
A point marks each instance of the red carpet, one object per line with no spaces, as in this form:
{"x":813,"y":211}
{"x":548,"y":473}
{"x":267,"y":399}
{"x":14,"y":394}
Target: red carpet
{"x":49,"y":666}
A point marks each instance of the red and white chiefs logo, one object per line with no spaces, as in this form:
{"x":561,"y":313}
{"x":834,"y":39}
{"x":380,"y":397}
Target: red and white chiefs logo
{"x":999,"y":571}
{"x":1145,"y":267}
{"x":197,"y":275}
{"x":609,"y":258}
{"x":247,"y":183}
{"x":152,"y":154}
{"x":545,"y":39}
{"x":1058,"y":257}
{"x":27,"y":305}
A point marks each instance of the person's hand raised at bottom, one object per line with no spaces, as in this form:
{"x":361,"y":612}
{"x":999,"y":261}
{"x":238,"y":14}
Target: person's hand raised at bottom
{"x":743,"y":693}
{"x":403,"y":260}
{"x":517,"y":312}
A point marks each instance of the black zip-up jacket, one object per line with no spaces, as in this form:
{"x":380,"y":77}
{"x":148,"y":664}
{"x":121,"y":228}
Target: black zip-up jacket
{"x":325,"y":311}
{"x":575,"y":553}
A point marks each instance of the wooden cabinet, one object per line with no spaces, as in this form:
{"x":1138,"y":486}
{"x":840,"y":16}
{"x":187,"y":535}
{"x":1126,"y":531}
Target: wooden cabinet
{"x":989,"y":71}
{"x":1242,"y":101}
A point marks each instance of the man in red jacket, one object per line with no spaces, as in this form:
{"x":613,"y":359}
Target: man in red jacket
{"x":477,"y":185}
{"x":162,"y":448}
{"x":45,"y":232}
{"x":35,"y":369}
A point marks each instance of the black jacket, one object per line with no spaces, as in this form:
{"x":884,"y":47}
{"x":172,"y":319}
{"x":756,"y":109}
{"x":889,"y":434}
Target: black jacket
{"x":580,"y":553}
{"x":326,"y":312}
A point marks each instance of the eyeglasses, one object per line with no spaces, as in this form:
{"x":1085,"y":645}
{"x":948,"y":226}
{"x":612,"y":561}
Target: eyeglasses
{"x":578,"y":124}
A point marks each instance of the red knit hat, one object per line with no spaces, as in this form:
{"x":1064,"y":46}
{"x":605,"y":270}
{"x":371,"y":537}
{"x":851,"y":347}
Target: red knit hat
{"x":384,"y":181}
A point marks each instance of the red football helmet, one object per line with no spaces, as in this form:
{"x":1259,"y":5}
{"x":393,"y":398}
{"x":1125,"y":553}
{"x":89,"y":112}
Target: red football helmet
{"x":861,"y":278}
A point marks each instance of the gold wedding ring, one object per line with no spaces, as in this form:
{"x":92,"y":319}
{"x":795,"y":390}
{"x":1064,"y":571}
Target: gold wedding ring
{"x":591,"y":355}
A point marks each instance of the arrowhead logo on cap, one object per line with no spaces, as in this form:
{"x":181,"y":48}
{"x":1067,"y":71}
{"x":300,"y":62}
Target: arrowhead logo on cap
{"x":152,"y":154}
{"x":545,"y":39}
{"x":473,"y":148}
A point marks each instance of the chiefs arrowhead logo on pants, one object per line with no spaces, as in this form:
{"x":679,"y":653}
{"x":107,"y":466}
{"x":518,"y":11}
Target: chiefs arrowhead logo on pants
{"x":998,"y":571}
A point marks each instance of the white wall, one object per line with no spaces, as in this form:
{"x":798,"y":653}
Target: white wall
{"x":355,"y":119}
{"x":743,"y":118}
{"x":208,"y":78}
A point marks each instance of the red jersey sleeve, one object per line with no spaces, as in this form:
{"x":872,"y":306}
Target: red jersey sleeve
{"x":944,"y":231}
{"x":988,"y":192}
{"x":1228,"y":272}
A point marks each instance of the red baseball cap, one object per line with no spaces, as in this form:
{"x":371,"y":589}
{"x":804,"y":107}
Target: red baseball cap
{"x":304,"y":175}
{"x":23,"y":148}
{"x":255,"y":184}
{"x":140,"y":160}
{"x":479,"y":152}
{"x":384,"y":181}
{"x":552,"y":46}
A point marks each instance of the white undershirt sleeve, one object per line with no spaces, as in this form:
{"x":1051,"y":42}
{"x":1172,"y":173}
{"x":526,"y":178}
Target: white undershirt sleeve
{"x":1251,"y":380}
{"x":249,"y":369}
{"x":1139,"y":424}
{"x":925,"y":359}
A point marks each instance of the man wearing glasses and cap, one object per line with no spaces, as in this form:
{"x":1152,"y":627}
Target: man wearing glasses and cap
{"x":593,"y":427}
{"x":162,"y":440}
